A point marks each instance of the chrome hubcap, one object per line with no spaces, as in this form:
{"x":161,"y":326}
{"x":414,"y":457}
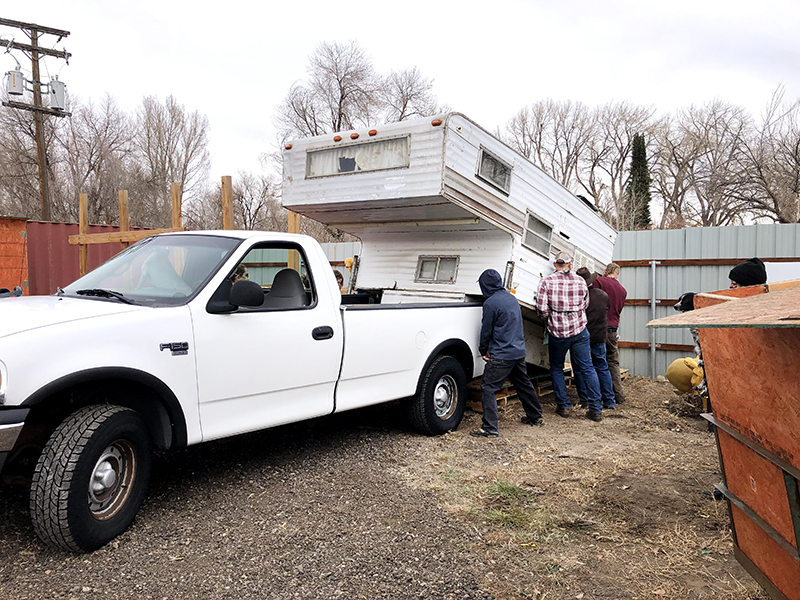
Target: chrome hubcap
{"x":445,"y":397}
{"x":111,"y":478}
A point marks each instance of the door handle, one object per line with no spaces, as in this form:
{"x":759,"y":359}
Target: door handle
{"x":322,"y":333}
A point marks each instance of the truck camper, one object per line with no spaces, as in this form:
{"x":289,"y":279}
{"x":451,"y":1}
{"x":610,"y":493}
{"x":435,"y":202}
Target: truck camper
{"x":437,"y":200}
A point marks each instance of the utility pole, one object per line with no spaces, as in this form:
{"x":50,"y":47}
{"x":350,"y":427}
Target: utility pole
{"x":33,"y":51}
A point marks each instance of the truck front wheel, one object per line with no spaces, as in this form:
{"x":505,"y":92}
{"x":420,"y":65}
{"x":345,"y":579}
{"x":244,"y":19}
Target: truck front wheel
{"x":91,"y":478}
{"x":439,"y":404}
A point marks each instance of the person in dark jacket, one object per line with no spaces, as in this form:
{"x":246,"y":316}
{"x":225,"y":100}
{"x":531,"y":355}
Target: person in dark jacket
{"x":749,"y":272}
{"x":502,"y":346}
{"x":597,"y":324}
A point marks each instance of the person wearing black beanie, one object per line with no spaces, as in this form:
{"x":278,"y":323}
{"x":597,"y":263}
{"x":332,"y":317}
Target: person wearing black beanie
{"x":749,"y":272}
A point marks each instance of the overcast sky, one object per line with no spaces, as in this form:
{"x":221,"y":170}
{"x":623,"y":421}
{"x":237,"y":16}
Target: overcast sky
{"x":234,"y":61}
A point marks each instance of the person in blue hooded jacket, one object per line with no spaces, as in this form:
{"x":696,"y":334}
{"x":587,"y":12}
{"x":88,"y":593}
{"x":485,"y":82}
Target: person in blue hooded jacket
{"x":502,"y":346}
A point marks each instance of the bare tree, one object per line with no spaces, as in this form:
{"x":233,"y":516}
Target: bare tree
{"x":341,"y":93}
{"x":673,"y":157}
{"x":717,"y":173}
{"x":19,"y":175}
{"x":554,"y":135}
{"x":256,"y":204}
{"x":171,"y":146}
{"x":773,"y":161}
{"x":94,"y":146}
{"x":603,"y":170}
{"x":406,"y":94}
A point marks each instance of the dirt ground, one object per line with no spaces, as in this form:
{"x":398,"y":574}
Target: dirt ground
{"x":357,"y":506}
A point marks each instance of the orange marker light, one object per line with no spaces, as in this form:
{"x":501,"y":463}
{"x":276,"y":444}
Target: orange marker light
{"x":353,"y":136}
{"x":337,"y":138}
{"x":436,"y":122}
{"x":373,"y":132}
{"x":288,"y":146}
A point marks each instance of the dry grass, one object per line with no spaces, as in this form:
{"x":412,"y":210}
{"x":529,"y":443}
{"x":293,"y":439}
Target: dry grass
{"x":584,"y":510}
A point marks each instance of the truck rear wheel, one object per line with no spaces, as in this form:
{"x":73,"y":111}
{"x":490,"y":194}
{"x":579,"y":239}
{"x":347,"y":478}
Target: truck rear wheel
{"x":439,"y":404}
{"x":91,"y":478}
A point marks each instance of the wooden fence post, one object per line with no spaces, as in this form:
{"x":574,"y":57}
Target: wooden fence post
{"x":124,"y":217}
{"x":83,"y":229}
{"x":175,"y":191}
{"x":227,"y":202}
{"x":294,"y":222}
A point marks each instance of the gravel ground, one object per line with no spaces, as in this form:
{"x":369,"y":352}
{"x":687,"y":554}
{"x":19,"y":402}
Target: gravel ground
{"x":305,"y":511}
{"x":357,"y":506}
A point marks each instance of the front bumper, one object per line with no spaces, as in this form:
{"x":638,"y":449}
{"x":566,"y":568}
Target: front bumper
{"x":11,"y":423}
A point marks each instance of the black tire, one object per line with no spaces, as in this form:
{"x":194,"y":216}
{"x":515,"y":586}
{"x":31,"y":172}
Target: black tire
{"x":91,"y":478}
{"x":441,"y":398}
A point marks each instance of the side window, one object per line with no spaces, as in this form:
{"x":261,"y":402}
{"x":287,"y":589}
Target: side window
{"x":537,"y":235}
{"x":283,"y":274}
{"x":494,"y":171}
{"x":437,"y":269}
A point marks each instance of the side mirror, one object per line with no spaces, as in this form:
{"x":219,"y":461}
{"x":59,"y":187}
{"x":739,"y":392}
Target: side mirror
{"x":246,"y":293}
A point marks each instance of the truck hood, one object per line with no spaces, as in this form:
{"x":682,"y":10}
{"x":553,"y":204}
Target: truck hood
{"x":31,"y":312}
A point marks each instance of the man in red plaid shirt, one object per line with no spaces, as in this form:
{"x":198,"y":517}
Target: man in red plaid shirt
{"x":561,"y":301}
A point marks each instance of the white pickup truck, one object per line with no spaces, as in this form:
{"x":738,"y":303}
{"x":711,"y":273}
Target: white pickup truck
{"x":161,"y":347}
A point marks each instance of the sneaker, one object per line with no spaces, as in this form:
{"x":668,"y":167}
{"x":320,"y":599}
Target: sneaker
{"x":533,"y":422}
{"x":563,"y":412}
{"x":609,"y":407}
{"x":596,"y":417}
{"x":584,"y":405}
{"x":484,"y":434}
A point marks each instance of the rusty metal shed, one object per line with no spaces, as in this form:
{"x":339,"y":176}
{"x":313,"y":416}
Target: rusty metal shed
{"x":37,"y":255}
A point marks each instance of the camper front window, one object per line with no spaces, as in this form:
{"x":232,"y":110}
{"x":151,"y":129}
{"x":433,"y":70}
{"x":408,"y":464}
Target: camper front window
{"x":353,"y":158}
{"x":492,"y":170}
{"x":537,"y":235}
{"x":437,"y":269}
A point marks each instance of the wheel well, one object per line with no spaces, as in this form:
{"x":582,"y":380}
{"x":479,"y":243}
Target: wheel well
{"x":147,"y":395}
{"x":456,"y":348}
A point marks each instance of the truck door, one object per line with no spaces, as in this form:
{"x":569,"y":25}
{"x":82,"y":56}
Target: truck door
{"x":272,"y":364}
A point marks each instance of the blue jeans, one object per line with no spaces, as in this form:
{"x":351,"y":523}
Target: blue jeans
{"x":603,"y":374}
{"x":586,"y":377}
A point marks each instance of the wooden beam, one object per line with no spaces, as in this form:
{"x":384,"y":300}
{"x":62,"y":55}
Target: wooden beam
{"x":227,"y":202}
{"x":699,"y":262}
{"x":293,"y":222}
{"x":645,"y":302}
{"x":42,"y":28}
{"x":665,"y":347}
{"x":36,"y":48}
{"x":175,"y":193}
{"x":124,"y":218}
{"x":83,"y":228}
{"x":121,"y":236}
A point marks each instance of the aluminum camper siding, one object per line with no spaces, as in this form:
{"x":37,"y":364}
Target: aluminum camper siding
{"x":374,"y":196}
{"x":531,"y":189}
{"x":767,"y":241}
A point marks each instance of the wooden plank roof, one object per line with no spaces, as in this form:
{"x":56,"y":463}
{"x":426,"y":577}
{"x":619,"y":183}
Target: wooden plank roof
{"x":776,"y":309}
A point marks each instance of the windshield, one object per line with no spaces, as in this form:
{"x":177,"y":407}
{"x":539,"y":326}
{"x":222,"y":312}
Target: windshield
{"x":162,"y":270}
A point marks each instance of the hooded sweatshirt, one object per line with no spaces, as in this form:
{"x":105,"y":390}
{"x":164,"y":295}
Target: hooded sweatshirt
{"x":501,"y":326}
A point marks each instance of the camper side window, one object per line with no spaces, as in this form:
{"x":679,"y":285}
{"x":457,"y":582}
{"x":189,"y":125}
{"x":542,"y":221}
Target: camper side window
{"x":494,"y":171}
{"x":537,"y":235}
{"x":437,"y":269}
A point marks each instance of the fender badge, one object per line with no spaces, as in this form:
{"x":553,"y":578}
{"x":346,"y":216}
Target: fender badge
{"x":177,"y":348}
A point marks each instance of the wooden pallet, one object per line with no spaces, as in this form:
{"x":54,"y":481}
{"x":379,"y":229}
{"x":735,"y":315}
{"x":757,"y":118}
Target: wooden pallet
{"x":505,"y":395}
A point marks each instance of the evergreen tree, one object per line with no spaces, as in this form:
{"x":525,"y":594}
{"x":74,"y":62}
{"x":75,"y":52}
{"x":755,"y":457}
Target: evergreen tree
{"x":638,"y":193}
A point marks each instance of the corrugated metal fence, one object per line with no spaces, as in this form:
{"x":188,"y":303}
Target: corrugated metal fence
{"x":658,"y":266}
